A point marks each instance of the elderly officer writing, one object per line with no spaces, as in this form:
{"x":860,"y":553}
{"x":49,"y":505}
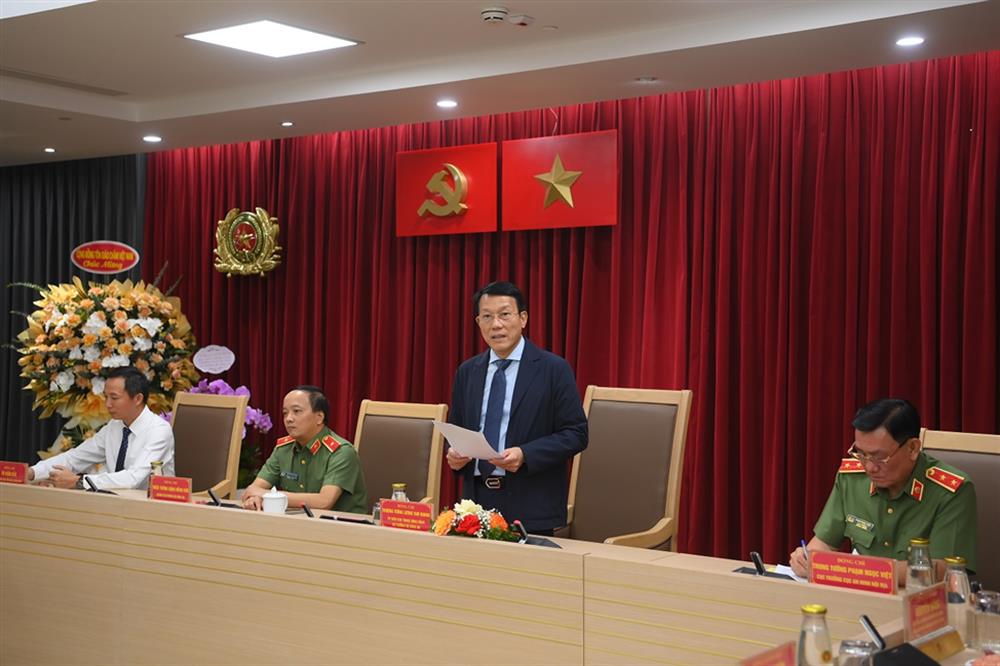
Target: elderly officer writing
{"x":889,"y":491}
{"x":313,"y":465}
{"x":134,"y":438}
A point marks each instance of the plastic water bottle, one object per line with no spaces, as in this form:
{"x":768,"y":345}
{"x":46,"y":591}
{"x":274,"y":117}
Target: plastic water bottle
{"x":815,"y":646}
{"x":919,"y":568}
{"x":399,"y":492}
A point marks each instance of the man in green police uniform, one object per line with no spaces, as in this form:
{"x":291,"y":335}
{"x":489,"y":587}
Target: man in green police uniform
{"x":313,"y":465}
{"x":889,"y":491}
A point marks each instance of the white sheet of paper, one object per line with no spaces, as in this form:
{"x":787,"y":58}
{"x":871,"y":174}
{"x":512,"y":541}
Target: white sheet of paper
{"x":468,"y":443}
{"x":787,"y":570}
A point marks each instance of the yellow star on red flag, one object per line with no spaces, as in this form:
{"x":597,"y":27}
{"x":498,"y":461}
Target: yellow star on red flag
{"x":558,"y":182}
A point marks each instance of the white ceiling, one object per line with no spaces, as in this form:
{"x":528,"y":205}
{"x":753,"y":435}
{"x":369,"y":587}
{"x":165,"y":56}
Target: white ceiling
{"x":91,"y":80}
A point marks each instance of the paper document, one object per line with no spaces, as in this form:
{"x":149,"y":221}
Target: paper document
{"x":787,"y":570}
{"x":468,"y":443}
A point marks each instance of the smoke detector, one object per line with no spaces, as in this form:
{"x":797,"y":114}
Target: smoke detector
{"x":494,"y":15}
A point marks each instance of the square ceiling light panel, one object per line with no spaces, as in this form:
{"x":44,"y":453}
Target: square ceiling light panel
{"x":270,"y":38}
{"x":12,"y":8}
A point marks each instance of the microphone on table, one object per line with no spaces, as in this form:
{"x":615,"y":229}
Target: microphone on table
{"x":217,"y":502}
{"x":92,"y":487}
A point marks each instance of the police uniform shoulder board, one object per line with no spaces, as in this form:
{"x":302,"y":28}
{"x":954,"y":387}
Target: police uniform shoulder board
{"x":850,"y":465}
{"x":284,"y":440}
{"x":947,"y":480}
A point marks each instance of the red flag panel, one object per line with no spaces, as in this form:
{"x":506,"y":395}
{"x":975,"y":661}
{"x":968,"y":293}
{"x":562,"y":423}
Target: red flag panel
{"x":446,"y":190}
{"x":560,"y":181}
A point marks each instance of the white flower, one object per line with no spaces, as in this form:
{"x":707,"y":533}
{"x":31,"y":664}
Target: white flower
{"x":115,"y":361}
{"x":97,"y":385}
{"x":76,"y":353}
{"x":467,"y":506}
{"x":141,"y":344}
{"x":91,"y":353}
{"x":151,"y":324}
{"x":55,"y":320}
{"x":94,"y":324}
{"x":62,"y":382}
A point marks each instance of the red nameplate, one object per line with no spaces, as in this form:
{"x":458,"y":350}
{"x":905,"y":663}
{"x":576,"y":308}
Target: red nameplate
{"x":783,"y":655}
{"x":857,"y":572}
{"x":170,"y":488}
{"x":13,"y":472}
{"x":924,"y":611}
{"x":407,"y":515}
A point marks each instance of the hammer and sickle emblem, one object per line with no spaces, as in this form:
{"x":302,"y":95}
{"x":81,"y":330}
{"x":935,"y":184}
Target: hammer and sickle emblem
{"x":453,"y":198}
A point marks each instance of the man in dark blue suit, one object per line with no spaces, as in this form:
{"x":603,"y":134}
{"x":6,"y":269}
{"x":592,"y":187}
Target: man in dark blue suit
{"x":525,"y":402}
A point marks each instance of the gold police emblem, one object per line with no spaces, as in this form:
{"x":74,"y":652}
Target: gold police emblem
{"x":246,"y":243}
{"x":454,"y":197}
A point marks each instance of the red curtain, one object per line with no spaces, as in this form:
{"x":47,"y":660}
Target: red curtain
{"x":788,"y":250}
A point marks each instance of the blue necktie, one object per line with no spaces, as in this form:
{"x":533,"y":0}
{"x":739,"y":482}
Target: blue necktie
{"x":494,"y":412}
{"x":120,"y":463}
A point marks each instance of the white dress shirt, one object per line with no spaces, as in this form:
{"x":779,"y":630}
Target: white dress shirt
{"x":152,"y":439}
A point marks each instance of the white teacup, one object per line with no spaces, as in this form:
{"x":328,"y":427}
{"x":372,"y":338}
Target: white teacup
{"x":275,"y":501}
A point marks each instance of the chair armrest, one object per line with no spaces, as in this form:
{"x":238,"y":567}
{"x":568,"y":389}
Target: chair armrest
{"x":656,"y":535}
{"x":569,"y":515}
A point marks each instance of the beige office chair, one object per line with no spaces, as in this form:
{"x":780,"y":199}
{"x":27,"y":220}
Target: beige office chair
{"x":979,"y":457}
{"x":625,"y":487}
{"x":398,"y":444}
{"x":208,"y":432}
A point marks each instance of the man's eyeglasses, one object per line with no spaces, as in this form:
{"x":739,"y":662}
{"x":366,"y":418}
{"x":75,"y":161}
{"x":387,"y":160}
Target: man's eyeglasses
{"x":865,"y":458}
{"x":488,"y":319}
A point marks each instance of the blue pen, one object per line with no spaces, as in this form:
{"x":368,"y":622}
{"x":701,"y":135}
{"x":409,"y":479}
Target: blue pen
{"x":805,"y":550}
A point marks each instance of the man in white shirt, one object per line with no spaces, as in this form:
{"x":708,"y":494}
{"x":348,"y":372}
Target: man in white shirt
{"x":134,"y":438}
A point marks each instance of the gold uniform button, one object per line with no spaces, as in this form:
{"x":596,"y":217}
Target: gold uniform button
{"x":304,"y":462}
{"x":885,"y":543}
{"x":301,"y":486}
{"x":889,"y":510}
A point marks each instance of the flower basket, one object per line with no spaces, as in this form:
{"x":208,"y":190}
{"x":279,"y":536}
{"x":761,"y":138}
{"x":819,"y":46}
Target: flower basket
{"x":469,"y":519}
{"x":79,"y":335}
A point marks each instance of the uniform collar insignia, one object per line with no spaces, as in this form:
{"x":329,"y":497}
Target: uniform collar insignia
{"x":871,"y":488}
{"x":917,"y":490}
{"x":284,"y":440}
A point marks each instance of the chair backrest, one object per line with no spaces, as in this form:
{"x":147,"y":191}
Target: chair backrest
{"x":979,"y":457}
{"x":208,"y":431}
{"x":397,"y":443}
{"x":628,"y":480}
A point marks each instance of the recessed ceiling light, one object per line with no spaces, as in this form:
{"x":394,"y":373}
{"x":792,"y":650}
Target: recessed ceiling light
{"x":447,"y":103}
{"x":12,"y":8}
{"x":910,"y":40}
{"x":152,"y":138}
{"x":550,"y":27}
{"x":269,"y":38}
{"x":287,"y":123}
{"x":646,"y":79}
{"x":50,"y":150}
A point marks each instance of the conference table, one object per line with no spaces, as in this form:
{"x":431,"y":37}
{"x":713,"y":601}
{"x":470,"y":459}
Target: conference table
{"x":119,"y":579}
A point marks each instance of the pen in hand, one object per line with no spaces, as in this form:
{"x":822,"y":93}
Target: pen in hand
{"x":805,"y":551}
